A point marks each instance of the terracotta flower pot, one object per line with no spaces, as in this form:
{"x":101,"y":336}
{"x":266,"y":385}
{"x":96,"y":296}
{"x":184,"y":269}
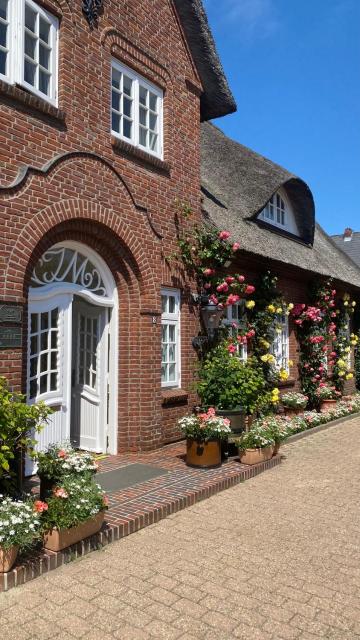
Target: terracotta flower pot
{"x":56,"y":540}
{"x":205,"y":455}
{"x":7,"y":558}
{"x":291,"y":412}
{"x":254,"y":456}
{"x":327,"y":405}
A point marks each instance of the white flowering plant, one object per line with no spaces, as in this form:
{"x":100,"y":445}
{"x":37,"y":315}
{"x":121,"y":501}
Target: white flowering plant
{"x":61,"y":460}
{"x":258,"y":437}
{"x":294,"y":400}
{"x":275,"y":427}
{"x":205,"y":426}
{"x":20,"y":522}
{"x":76,"y":500}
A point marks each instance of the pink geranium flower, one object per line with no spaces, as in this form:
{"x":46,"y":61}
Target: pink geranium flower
{"x":40,"y":506}
{"x":59,"y":492}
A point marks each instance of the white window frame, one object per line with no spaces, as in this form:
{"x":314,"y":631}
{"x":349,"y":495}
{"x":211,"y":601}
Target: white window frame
{"x":284,"y":210}
{"x":16,"y":48}
{"x":139,"y":81}
{"x":281,"y":343}
{"x":173,"y":319}
{"x":228,"y":321}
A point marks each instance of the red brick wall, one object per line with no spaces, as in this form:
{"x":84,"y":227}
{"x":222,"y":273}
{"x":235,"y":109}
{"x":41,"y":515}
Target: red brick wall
{"x":120,"y":203}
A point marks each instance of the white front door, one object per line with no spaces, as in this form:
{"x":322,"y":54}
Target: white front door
{"x":89,"y":376}
{"x":49,"y":367}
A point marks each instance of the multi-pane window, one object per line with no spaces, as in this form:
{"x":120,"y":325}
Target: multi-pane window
{"x":4,"y":37}
{"x":280,"y":345}
{"x":88,"y":348}
{"x":275,"y":211}
{"x":136,"y":110}
{"x":233,"y":321}
{"x":44,"y":352}
{"x":170,"y":340}
{"x":28,"y":47}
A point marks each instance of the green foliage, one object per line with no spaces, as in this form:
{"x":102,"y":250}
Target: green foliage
{"x":257,"y":438}
{"x":227,"y":384}
{"x":77,"y":500}
{"x":18,"y":422}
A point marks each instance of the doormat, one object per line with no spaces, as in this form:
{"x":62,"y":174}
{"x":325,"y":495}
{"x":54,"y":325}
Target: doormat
{"x":128,"y":476}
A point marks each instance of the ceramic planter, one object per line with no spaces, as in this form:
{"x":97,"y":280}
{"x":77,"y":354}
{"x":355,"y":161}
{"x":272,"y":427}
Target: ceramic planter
{"x":56,"y":540}
{"x":7,"y":558}
{"x":237,"y":419}
{"x":327,"y":405}
{"x":254,"y":456}
{"x":204,"y":455}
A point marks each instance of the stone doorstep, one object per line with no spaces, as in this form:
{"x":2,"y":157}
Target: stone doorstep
{"x":45,"y":561}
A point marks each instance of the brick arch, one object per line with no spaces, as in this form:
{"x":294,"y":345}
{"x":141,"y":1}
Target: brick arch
{"x":92,"y":224}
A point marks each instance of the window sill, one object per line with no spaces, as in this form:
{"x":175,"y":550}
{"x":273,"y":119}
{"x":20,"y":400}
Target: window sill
{"x":174,"y":396}
{"x":126,"y":149}
{"x":19,"y":94}
{"x":290,"y":382}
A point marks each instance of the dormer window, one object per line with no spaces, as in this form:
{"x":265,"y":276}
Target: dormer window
{"x":278,"y":212}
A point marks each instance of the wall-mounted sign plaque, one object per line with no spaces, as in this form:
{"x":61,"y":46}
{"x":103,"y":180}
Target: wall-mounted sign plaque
{"x":11,"y":314}
{"x":10,"y":337}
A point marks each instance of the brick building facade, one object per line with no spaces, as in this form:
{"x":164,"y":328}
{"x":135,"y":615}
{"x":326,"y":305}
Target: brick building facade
{"x":100,"y":142}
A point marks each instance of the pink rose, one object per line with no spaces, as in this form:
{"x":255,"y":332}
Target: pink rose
{"x":241,"y":278}
{"x":213,"y":299}
{"x":224,"y":235}
{"x":208,"y":272}
{"x":231,"y":348}
{"x":229,"y":279}
{"x":232,"y":299}
{"x":250,"y":289}
{"x":236,"y":246}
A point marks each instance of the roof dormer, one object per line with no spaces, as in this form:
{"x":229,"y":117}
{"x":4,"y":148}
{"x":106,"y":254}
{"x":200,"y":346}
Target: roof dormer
{"x":278,"y":212}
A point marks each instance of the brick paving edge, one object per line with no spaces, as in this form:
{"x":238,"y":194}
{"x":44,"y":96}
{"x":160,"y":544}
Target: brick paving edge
{"x":321,"y":427}
{"x":46,"y":561}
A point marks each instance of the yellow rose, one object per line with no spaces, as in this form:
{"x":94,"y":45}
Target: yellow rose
{"x":271,"y":308}
{"x":250,"y":304}
{"x":353,"y":343}
{"x":349,"y":376}
{"x":290,"y":306}
{"x":279,"y":310}
{"x":353,"y":304}
{"x":264,"y":358}
{"x":283,"y":374}
{"x":347,"y":349}
{"x":341,"y":374}
{"x":291,"y":363}
{"x":346,"y":304}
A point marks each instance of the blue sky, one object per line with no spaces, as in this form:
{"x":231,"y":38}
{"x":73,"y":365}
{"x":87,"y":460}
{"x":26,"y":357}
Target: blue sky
{"x":294,"y":68}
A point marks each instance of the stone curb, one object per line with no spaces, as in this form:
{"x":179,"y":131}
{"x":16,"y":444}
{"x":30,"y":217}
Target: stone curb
{"x":44,"y":561}
{"x":320,"y":427}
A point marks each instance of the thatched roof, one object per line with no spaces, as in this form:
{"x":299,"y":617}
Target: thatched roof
{"x":217,"y":99}
{"x":236,"y":185}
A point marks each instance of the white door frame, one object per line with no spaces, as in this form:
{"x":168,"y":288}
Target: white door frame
{"x":40,"y":297}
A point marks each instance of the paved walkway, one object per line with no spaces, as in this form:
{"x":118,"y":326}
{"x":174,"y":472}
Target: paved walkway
{"x":274,"y":558}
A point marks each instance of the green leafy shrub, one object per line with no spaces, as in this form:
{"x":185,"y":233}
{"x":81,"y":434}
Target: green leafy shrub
{"x":228,"y":384}
{"x":18,"y":422}
{"x":257,"y":438}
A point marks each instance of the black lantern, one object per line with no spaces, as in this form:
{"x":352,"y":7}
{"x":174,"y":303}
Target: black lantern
{"x":211,"y":315}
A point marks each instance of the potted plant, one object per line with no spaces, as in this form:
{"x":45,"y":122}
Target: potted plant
{"x":204,"y":433}
{"x":294,"y":403}
{"x":256,"y":445}
{"x":233,"y":387}
{"x":19,"y":528}
{"x":277,"y":427}
{"x":59,"y":461}
{"x":75,"y":511}
{"x":327,"y":396}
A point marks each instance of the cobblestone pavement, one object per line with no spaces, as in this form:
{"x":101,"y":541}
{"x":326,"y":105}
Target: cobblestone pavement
{"x":275,"y":558}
